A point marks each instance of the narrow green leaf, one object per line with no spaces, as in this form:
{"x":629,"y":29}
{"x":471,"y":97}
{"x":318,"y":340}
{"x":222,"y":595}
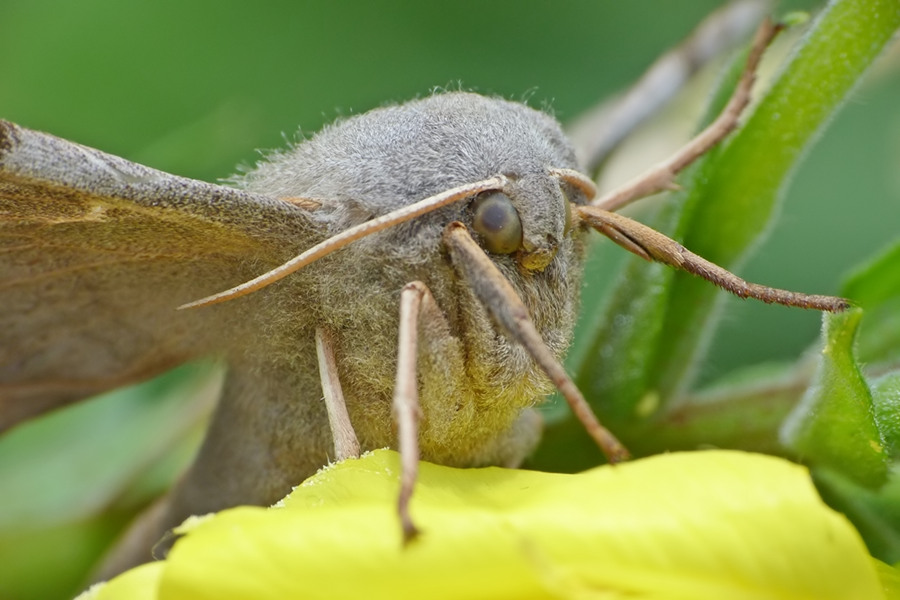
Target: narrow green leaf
{"x":834,"y":424}
{"x":657,"y":324}
{"x":874,"y":512}
{"x":89,"y":470}
{"x":886,"y":398}
{"x":875,"y":286}
{"x":877,"y":281}
{"x":738,"y":194}
{"x":73,"y":479}
{"x":67,"y":550}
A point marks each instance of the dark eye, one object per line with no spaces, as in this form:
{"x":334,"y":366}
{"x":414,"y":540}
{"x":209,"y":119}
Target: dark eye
{"x":497,"y":221}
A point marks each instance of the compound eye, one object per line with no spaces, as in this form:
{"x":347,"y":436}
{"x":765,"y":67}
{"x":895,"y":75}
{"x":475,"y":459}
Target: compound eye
{"x":497,"y":222}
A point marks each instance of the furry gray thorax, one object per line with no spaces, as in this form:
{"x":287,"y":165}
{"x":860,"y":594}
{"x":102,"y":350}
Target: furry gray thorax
{"x":474,"y":382}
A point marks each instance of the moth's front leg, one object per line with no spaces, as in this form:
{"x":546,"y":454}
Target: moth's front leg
{"x":509,"y":313}
{"x":406,"y":398}
{"x":428,"y":350}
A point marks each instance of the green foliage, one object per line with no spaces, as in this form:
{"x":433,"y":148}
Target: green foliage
{"x":875,"y":286}
{"x":640,"y":361}
{"x":834,"y":424}
{"x":112,"y":456}
{"x":843,"y":445}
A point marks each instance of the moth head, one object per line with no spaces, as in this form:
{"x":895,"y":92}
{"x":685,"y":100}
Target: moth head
{"x":532,"y":252}
{"x":530,"y":216}
{"x":376,"y":170}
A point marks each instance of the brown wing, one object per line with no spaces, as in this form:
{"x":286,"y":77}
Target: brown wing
{"x":95,"y":254}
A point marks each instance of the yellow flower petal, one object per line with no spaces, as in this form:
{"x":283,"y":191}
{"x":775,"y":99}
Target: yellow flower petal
{"x":693,"y":525}
{"x":139,"y":583}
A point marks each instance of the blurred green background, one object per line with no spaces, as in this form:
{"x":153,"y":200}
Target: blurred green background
{"x":197,"y":88}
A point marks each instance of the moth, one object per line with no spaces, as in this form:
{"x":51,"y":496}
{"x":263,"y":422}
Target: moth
{"x":408,"y":277}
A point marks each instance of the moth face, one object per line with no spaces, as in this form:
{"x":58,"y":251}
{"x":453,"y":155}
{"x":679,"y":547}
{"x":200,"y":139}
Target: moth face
{"x":530,"y":219}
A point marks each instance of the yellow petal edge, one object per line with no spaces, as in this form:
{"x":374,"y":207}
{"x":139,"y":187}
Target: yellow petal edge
{"x":694,"y":525}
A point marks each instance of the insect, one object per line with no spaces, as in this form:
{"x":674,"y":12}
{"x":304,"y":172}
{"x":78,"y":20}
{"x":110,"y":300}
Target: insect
{"x":454,"y":224}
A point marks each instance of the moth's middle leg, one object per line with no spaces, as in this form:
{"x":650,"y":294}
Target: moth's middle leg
{"x":346,"y":444}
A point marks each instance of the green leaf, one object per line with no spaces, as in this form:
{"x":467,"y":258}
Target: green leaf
{"x":698,"y":525}
{"x":74,"y":478}
{"x":737,"y":191}
{"x":877,"y":281}
{"x":875,"y":286}
{"x":886,"y":399}
{"x":657,"y":325}
{"x":875,"y":513}
{"x":67,"y":550}
{"x":834,"y":424}
{"x":97,"y":468}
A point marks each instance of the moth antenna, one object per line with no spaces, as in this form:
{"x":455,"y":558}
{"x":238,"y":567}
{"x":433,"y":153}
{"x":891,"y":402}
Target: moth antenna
{"x":661,"y":177}
{"x":577,"y":179}
{"x":652,"y":245}
{"x":336,"y":242}
{"x":504,"y":305}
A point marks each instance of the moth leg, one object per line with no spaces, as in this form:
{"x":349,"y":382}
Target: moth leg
{"x":662,"y":176}
{"x":346,"y":444}
{"x":440,"y":357}
{"x":652,"y":245}
{"x":598,"y":132}
{"x":406,"y":399}
{"x":500,"y":299}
